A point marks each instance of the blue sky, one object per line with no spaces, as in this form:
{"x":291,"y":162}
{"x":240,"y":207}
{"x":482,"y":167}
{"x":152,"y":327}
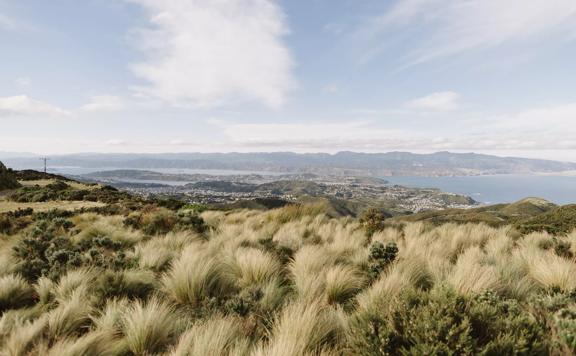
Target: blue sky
{"x":493,"y":76}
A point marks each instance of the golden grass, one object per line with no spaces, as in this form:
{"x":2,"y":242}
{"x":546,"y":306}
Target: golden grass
{"x":342,"y":284}
{"x":96,"y":343}
{"x":303,"y":328}
{"x":301,"y":274}
{"x":24,"y":337}
{"x":70,"y":316}
{"x":6,"y":206}
{"x":148,"y":327}
{"x":92,"y":225}
{"x":252,"y":267}
{"x":45,"y":182}
{"x":14,"y":292}
{"x":197,"y":275}
{"x":217,"y":336}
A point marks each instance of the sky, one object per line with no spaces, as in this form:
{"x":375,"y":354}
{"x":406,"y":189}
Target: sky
{"x":488,"y":76}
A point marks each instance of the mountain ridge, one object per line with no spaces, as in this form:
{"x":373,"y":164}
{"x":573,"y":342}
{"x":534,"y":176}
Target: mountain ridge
{"x":346,"y":163}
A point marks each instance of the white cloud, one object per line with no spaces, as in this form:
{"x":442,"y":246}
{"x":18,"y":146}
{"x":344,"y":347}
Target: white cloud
{"x":537,"y":129}
{"x":104,"y":103}
{"x":441,"y":101}
{"x":22,"y":105}
{"x":212,"y":52}
{"x":455,"y":26}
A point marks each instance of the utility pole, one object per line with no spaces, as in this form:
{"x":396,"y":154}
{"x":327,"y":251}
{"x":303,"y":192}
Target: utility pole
{"x":45,"y":159}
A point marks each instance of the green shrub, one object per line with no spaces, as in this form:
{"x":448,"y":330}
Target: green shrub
{"x":380,"y":257}
{"x":442,"y":322}
{"x":155,"y":221}
{"x":47,"y":251}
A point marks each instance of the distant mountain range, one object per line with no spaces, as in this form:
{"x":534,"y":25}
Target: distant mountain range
{"x":345,"y":163}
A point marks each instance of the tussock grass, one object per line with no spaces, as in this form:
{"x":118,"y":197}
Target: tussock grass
{"x":308,"y":270}
{"x":107,"y":226}
{"x":15,"y":293}
{"x":110,"y":318}
{"x":343,"y":283}
{"x":93,"y":344}
{"x":197,"y":275}
{"x":406,"y":274}
{"x":290,"y":281}
{"x":252,"y":267}
{"x":471,"y":276}
{"x":25,"y":337}
{"x":75,"y":282}
{"x":71,"y":316}
{"x":8,"y":262}
{"x":149,"y":327}
{"x":551,"y":271}
{"x":217,"y":336}
{"x":44,"y":288}
{"x":303,"y":328}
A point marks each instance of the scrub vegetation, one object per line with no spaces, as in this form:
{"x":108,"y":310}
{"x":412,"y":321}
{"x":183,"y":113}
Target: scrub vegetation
{"x":149,"y":280}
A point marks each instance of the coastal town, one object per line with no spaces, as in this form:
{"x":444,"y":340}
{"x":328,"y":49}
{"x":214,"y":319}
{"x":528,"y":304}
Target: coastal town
{"x":226,"y":189}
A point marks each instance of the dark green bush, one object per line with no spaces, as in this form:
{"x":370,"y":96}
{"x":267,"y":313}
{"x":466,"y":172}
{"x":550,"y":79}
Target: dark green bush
{"x":380,"y":257}
{"x":441,"y":322}
{"x":48,"y":251}
{"x":154,"y":221}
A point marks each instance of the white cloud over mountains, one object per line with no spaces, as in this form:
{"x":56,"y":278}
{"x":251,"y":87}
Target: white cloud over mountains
{"x":208,"y":53}
{"x":22,"y":105}
{"x":456,"y":26}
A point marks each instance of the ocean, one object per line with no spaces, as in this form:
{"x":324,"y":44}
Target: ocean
{"x":496,"y":189}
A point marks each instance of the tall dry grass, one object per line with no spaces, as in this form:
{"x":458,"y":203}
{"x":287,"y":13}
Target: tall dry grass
{"x":294,"y":274}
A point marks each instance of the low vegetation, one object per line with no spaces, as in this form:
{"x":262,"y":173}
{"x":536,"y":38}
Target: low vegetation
{"x":160,"y":278}
{"x":7,"y":178}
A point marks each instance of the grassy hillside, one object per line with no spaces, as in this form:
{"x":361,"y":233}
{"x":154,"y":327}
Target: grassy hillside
{"x":561,"y":220}
{"x":493,"y":215}
{"x":135,"y":278}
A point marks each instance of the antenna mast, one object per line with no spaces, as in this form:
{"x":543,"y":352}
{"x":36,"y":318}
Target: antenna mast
{"x":45,"y":159}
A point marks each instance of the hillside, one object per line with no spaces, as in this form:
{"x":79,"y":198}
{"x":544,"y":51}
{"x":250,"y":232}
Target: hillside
{"x":143,"y":277}
{"x":494,"y":215}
